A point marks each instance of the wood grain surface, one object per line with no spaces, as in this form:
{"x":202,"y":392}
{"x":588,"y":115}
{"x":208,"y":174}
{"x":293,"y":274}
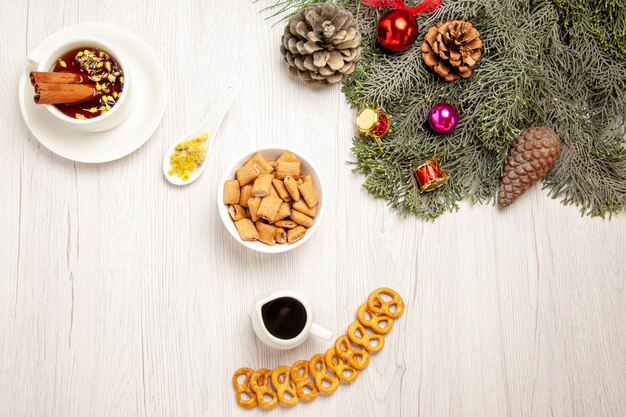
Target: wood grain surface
{"x":122,"y":296}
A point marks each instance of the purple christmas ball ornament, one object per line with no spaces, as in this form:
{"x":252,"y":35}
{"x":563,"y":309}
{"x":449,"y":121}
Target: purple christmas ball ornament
{"x":443,"y":118}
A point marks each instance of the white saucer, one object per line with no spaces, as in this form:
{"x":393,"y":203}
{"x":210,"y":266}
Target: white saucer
{"x":149,"y":89}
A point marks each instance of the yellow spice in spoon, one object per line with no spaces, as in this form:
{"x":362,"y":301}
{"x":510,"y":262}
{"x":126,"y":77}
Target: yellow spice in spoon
{"x":188,"y":156}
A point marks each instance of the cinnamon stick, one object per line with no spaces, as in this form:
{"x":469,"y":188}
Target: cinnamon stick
{"x":37,"y":77}
{"x":46,"y":93}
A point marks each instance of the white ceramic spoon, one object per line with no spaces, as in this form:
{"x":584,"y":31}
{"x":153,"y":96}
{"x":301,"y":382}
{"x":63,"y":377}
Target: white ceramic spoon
{"x":209,"y":125}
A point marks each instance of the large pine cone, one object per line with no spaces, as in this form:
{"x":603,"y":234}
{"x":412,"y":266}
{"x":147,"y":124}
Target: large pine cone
{"x":452,"y":49}
{"x":530,"y":158}
{"x":321,"y":44}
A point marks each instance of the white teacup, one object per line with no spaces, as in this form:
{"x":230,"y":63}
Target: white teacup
{"x":45,"y":60}
{"x":301,"y":328}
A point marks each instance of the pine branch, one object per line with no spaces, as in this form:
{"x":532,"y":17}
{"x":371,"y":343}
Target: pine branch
{"x":554,"y":63}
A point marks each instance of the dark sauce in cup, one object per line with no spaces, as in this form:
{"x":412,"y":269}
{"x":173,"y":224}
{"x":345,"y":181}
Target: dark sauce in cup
{"x":284,"y":317}
{"x":96,"y":67}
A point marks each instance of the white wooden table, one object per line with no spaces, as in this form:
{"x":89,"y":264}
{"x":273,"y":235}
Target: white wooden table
{"x":121,"y":295}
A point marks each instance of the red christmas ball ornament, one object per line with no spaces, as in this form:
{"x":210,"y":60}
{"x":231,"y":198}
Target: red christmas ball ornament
{"x":397,"y":30}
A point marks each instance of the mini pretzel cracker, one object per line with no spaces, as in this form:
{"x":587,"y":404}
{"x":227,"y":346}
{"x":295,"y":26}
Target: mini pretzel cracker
{"x":308,"y":193}
{"x":357,"y":358}
{"x":236,"y":212}
{"x":379,"y":305}
{"x":344,"y":372}
{"x":374,"y":321}
{"x":284,"y":386}
{"x":247,"y":173}
{"x":246,"y":230}
{"x":260,"y":383}
{"x":295,"y":234}
{"x":292,"y":188}
{"x":245,"y":195}
{"x":253,"y":206}
{"x":262,"y":185}
{"x":281,"y":190}
{"x":359,"y":335}
{"x":280,"y":235}
{"x":262,"y":163}
{"x":287,"y":169}
{"x":325,"y":383}
{"x":242,"y":389}
{"x":341,"y":363}
{"x":267,"y":233}
{"x":305,"y":388}
{"x":231,"y":192}
{"x":269,"y":208}
{"x":302,"y":207}
{"x":301,"y":219}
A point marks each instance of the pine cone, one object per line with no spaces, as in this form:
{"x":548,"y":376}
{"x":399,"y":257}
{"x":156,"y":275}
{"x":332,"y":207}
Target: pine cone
{"x":530,"y":157}
{"x":321,"y":44}
{"x":452,"y":49}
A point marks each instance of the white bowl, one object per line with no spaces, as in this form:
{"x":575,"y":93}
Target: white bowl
{"x":270,"y":153}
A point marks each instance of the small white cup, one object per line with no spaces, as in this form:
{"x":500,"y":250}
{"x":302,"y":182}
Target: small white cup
{"x":45,"y":61}
{"x":310,"y":328}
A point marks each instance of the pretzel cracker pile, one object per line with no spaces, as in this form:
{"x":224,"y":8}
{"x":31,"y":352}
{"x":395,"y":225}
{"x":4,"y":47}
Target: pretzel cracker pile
{"x":323,"y":373}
